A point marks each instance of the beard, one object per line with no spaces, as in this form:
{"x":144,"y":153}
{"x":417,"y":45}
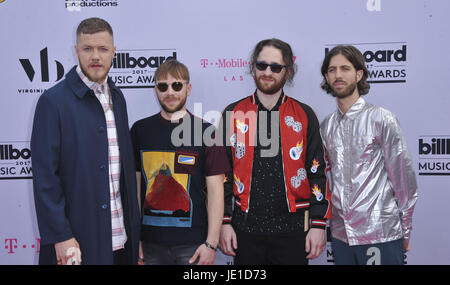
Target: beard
{"x":271,"y":88}
{"x":173,"y":109}
{"x":95,"y":76}
{"x":348,"y":91}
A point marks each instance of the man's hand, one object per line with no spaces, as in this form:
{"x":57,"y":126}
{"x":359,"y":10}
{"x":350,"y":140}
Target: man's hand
{"x":141,"y":254}
{"x":228,"y":240}
{"x":207,"y":256}
{"x":315,"y":243}
{"x":406,"y":245}
{"x":68,"y":252}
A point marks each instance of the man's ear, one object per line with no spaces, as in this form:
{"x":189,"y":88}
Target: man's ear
{"x":289,"y":71}
{"x":359,"y":75}
{"x":189,"y":89}
{"x":326,"y":77}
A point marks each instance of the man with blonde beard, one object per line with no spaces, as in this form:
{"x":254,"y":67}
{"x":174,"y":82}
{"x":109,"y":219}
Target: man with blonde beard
{"x":176,"y":177}
{"x":83,"y":171}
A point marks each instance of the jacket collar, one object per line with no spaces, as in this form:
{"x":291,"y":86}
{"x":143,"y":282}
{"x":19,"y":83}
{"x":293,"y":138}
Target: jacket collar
{"x":354,"y":110}
{"x":81,"y":89}
{"x":92,"y":85}
{"x":255,"y":100}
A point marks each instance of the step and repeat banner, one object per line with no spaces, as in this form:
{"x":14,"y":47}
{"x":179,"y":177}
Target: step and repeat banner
{"x":405,"y":44}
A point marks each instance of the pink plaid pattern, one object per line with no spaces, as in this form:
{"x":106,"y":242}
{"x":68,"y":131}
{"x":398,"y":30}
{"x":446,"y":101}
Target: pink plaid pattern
{"x":119,"y":236}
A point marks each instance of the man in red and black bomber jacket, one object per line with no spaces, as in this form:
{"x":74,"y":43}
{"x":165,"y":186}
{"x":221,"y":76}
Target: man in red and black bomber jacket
{"x":277,"y":198}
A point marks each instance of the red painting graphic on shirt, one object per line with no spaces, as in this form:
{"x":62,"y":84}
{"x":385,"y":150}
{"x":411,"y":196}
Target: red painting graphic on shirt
{"x":166,"y":194}
{"x":167,"y":201}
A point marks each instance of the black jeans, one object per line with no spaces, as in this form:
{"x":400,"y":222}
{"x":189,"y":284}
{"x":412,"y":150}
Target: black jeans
{"x":158,"y":254}
{"x":121,"y":257}
{"x":387,"y":253}
{"x":271,"y":249}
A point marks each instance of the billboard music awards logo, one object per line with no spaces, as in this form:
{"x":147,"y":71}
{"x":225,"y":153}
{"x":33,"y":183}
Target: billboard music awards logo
{"x":15,"y":160}
{"x":434,"y":155}
{"x":235,"y":68}
{"x":386,"y":62}
{"x":40,"y":71}
{"x":136,"y":68}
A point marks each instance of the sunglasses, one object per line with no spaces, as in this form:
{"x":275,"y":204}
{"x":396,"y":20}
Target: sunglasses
{"x":176,"y":86}
{"x":274,"y":67}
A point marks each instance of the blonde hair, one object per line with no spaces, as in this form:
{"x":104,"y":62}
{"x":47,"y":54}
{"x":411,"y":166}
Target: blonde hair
{"x":174,"y":68}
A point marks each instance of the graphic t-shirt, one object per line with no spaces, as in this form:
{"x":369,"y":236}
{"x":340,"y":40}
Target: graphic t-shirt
{"x":173,"y":160}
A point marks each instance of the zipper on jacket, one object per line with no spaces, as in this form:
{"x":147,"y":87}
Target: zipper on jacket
{"x":251,"y":174}
{"x":249,"y":188}
{"x":284,"y":176}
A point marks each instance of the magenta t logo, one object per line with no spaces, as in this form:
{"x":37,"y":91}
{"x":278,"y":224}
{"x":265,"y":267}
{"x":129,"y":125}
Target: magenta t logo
{"x":11,"y":244}
{"x":204,"y":62}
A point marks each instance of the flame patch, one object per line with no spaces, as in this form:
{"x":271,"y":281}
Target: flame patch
{"x":239,"y":185}
{"x":317,"y":192}
{"x":296,"y":151}
{"x":314,"y":166}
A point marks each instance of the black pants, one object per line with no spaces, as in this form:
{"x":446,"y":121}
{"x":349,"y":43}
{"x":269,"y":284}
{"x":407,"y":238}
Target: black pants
{"x":120,"y":257}
{"x":271,"y":249}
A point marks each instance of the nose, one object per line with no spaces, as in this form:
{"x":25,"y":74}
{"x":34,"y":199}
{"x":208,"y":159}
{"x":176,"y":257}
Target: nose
{"x":267,"y":71}
{"x":338,"y":73}
{"x":95,"y":54}
{"x":170,"y":92}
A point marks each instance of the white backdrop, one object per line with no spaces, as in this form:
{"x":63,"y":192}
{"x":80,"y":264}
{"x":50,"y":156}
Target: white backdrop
{"x":405,"y":44}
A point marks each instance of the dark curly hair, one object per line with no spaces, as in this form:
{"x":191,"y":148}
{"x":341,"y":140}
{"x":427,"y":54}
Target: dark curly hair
{"x":286,"y":51}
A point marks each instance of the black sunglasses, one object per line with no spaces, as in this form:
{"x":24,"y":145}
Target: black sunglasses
{"x":176,"y":86}
{"x":274,"y":67}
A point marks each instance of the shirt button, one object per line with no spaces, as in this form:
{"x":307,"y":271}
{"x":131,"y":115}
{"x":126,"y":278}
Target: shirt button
{"x":104,"y":206}
{"x":102,"y":167}
{"x":101,"y":129}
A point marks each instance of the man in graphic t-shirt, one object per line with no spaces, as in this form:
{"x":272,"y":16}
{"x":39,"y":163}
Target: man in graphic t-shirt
{"x":181,"y":177}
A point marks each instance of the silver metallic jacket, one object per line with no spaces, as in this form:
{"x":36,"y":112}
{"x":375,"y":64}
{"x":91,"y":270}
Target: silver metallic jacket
{"x":374,"y":187}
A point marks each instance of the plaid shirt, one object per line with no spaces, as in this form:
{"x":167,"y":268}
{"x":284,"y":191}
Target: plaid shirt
{"x":101,"y":91}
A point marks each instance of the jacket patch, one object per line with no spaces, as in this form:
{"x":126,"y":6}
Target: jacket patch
{"x":296,"y":181}
{"x":233,"y":140}
{"x":239,"y":148}
{"x":290,"y":122}
{"x":317,"y":192}
{"x":314,"y":166}
{"x":239,"y":185}
{"x":241,"y":126}
{"x":296,"y":151}
{"x":239,"y":151}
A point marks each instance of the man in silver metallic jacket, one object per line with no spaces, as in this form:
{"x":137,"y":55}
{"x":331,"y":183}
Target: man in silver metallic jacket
{"x":374,"y":188}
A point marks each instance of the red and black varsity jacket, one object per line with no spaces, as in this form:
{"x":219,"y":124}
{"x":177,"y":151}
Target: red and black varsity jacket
{"x":303,"y":156}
